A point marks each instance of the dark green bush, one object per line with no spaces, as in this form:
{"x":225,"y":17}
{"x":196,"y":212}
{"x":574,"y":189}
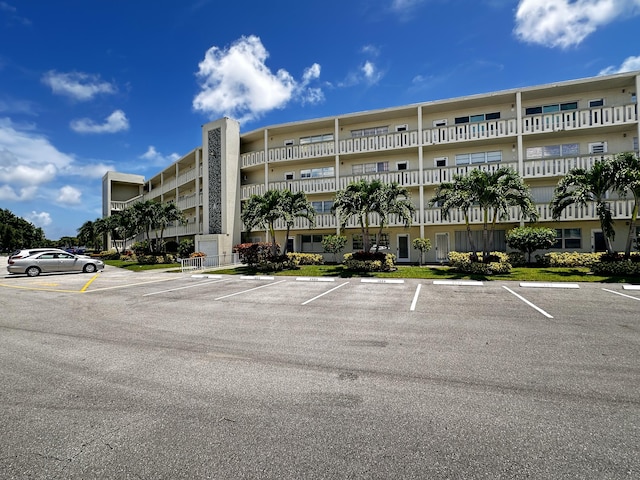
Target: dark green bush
{"x":370,"y":261}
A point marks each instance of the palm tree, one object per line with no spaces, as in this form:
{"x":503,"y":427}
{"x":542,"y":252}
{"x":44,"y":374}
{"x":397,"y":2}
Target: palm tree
{"x":456,"y":195}
{"x":580,"y":187}
{"x":87,"y":235}
{"x":393,"y":199}
{"x":164,"y":215}
{"x":493,"y":192}
{"x":295,"y":205}
{"x":107,"y":226}
{"x":359,"y":199}
{"x":627,"y":179}
{"x":263,"y":211}
{"x":144,"y":214}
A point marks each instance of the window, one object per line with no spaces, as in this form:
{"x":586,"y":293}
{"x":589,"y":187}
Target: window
{"x":317,"y":172}
{"x":550,"y":151}
{"x":481,"y":117}
{"x":596,"y":103}
{"x":327,"y":137}
{"x":462,"y":240}
{"x":358,"y":244}
{"x":478,"y":157}
{"x":376,"y":167}
{"x":598,"y":147}
{"x":440,"y":161}
{"x":322,"y":206}
{"x":568,"y":238}
{"x":312,"y":243}
{"x":554,"y":107}
{"x":367,"y":132}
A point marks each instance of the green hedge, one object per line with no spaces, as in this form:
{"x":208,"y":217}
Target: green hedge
{"x":568,"y":259}
{"x":464,"y":263}
{"x":306,"y":258}
{"x":370,"y":262}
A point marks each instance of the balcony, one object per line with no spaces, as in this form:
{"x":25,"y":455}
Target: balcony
{"x":119,"y":206}
{"x":577,"y":119}
{"x":435,"y":176}
{"x":189,"y":201}
{"x":307,"y":185}
{"x":491,"y":129}
{"x":405,"y":178}
{"x":377,"y":143}
{"x":556,"y":167}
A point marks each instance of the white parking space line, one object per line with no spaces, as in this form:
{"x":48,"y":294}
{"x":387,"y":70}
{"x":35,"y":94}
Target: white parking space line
{"x":548,"y":285}
{"x":415,"y":297}
{"x":471,"y":283}
{"x":250,"y":290}
{"x":315,"y":279}
{"x":323,"y":294}
{"x":621,"y":294}
{"x":381,"y":280}
{"x":527,"y":302}
{"x":199,"y":284}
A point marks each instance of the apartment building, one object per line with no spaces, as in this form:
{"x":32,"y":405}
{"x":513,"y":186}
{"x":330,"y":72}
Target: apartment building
{"x":541,"y":131}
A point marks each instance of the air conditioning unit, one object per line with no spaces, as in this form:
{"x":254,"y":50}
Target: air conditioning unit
{"x":440,"y":161}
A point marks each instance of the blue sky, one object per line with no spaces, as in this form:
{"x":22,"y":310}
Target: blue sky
{"x":87,"y":87}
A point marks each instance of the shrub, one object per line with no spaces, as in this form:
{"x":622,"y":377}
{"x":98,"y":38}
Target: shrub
{"x":197,"y":254}
{"x":305,"y":258}
{"x":498,"y":262}
{"x":109,"y":255}
{"x":370,"y":262}
{"x":423,"y":245}
{"x":334,"y":244}
{"x":147,"y":259}
{"x":141,"y":248}
{"x":186,"y":248}
{"x":568,"y":259}
{"x":171,"y":246}
{"x":517,"y":259}
{"x":619,"y":268}
{"x":252,"y":254}
{"x":529,"y":239}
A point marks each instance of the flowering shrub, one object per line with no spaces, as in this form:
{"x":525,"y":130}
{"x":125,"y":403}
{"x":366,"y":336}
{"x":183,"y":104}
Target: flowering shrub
{"x":305,"y":258}
{"x":622,"y":268}
{"x":568,"y":259}
{"x":466,"y":263}
{"x":370,"y":262}
{"x":197,"y":254}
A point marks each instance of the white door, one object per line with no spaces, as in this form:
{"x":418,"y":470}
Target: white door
{"x":442,"y":247}
{"x":403,"y":248}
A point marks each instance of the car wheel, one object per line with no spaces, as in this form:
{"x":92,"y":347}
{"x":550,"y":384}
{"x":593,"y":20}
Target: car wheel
{"x":89,"y":268}
{"x":33,"y":271}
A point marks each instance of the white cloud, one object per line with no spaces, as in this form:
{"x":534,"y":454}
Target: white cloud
{"x":69,"y":195}
{"x":156,"y":158}
{"x":629,"y":65}
{"x":115,"y":122}
{"x":565,"y":23}
{"x":236,"y":82}
{"x":28,"y":161}
{"x":77,"y":85}
{"x":8,"y":193}
{"x":39,"y":219}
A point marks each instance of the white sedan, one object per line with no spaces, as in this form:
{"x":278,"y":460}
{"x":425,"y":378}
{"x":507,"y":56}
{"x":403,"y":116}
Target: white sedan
{"x":54,"y":261}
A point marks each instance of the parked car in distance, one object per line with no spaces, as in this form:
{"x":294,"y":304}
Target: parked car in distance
{"x":53,"y":261}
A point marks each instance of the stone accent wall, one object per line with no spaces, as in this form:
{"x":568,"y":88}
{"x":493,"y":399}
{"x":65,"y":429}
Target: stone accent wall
{"x":215,"y":180}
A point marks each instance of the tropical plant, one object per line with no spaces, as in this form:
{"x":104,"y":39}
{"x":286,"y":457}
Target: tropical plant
{"x":529,"y":239}
{"x":108,"y":226}
{"x":626,"y":167}
{"x":87,"y":235}
{"x":263,"y":211}
{"x":165,"y":215}
{"x":334,"y":244}
{"x":292,"y":206}
{"x":16,"y":232}
{"x":580,"y":187}
{"x":423,"y":245}
{"x":363,"y":199}
{"x":494,"y":193}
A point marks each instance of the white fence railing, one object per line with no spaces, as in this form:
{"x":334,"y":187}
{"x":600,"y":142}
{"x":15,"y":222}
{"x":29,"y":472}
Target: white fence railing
{"x":211,"y":261}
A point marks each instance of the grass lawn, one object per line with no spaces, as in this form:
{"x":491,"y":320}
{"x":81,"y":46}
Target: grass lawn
{"x":537,"y":274}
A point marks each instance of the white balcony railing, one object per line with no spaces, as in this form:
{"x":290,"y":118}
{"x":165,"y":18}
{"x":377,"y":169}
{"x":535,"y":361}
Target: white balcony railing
{"x":470,"y":131}
{"x":119,"y":206}
{"x":554,"y":167}
{"x":435,"y":176}
{"x":375,"y":143}
{"x":576,"y":119}
{"x":308,"y":186}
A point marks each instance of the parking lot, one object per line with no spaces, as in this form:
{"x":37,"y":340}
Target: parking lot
{"x":168,"y":375}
